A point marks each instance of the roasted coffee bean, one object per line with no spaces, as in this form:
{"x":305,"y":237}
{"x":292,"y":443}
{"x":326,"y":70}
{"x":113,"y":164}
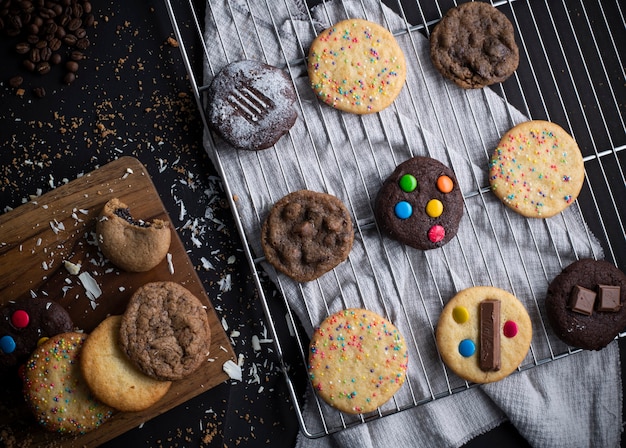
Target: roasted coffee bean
{"x":55,"y":58}
{"x":45,"y":54}
{"x":22,"y":48}
{"x":16,"y":81}
{"x":71,"y":66}
{"x":80,"y":33}
{"x":39,"y":92}
{"x":70,"y":40}
{"x":32,"y":39}
{"x":29,"y":65}
{"x":50,"y":28}
{"x":37,"y":21}
{"x":88,"y":20}
{"x":69,"y":78}
{"x":60,"y":33}
{"x":82,"y":44}
{"x":57,"y":8}
{"x":41,"y":44}
{"x":76,"y":55}
{"x":33,"y":29}
{"x":54,"y":44}
{"x":47,"y":13}
{"x":74,"y":24}
{"x":64,"y":20}
{"x":43,"y":68}
{"x":34,"y":55}
{"x":77,"y":10}
{"x":86,"y":7}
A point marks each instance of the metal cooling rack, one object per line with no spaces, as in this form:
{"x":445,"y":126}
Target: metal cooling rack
{"x":571,"y":72}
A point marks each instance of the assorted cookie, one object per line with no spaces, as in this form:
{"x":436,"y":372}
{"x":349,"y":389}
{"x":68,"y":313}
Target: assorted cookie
{"x":111,"y":376}
{"x":250,"y":104}
{"x":483,"y":334}
{"x":420,"y":204}
{"x":356,"y":66}
{"x":165,"y":331}
{"x":585,"y":304}
{"x":306,"y":234}
{"x":357,"y":360}
{"x":56,"y":391}
{"x":474,"y":46}
{"x":130,"y":244}
{"x":25,"y":322}
{"x":537,"y":169}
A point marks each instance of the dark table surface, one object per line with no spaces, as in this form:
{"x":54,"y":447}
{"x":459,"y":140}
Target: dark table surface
{"x":132,"y":97}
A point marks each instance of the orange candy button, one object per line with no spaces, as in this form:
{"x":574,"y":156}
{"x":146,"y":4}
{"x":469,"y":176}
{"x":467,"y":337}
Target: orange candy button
{"x":445,"y":184}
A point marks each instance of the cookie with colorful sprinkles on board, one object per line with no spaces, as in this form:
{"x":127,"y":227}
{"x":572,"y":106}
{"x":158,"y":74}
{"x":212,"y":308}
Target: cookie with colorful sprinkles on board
{"x":56,"y":391}
{"x":537,"y":169}
{"x":420,"y":204}
{"x":357,"y":360}
{"x":356,"y":66}
{"x":483,"y":334}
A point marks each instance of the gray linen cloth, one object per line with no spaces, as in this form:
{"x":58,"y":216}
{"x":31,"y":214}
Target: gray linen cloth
{"x":574,"y":401}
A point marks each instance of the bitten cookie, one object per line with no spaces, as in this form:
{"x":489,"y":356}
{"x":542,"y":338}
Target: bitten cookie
{"x":474,"y":46}
{"x":23,"y":323}
{"x":165,"y":331}
{"x":306,"y":234}
{"x":56,"y":391}
{"x":133,"y":245}
{"x":357,"y":360}
{"x":111,"y":376}
{"x":585,"y":304}
{"x":537,"y":169}
{"x":250,"y":104}
{"x":483,"y":334}
{"x":420,"y":204}
{"x":356,"y":66}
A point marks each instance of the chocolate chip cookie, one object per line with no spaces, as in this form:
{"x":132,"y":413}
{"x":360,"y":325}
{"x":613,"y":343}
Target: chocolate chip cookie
{"x":474,"y":46}
{"x":250,"y":104}
{"x":306,"y":234}
{"x":420,"y":204}
{"x":165,"y":331}
{"x":585,"y":303}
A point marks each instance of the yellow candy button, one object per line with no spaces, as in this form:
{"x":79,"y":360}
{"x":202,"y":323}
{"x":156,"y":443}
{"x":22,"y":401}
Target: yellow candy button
{"x":460,"y":314}
{"x":42,"y":340}
{"x":434,"y":208}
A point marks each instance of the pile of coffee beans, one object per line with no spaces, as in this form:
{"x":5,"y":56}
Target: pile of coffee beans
{"x":49,"y":32}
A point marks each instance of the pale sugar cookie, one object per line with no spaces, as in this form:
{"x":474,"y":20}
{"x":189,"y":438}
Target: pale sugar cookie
{"x":483,"y":334}
{"x":356,"y":66}
{"x":357,"y":360}
{"x":537,"y":169}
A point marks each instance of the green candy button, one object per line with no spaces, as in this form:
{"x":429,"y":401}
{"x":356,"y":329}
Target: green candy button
{"x":408,"y":183}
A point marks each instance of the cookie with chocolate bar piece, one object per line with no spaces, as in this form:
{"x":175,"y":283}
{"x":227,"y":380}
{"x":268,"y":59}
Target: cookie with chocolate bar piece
{"x":250,"y":104}
{"x":585,"y":303}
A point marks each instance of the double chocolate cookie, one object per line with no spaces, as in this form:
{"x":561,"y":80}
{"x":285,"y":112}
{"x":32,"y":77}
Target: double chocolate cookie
{"x":306,"y":234}
{"x":585,"y":304}
{"x":23,"y":323}
{"x":420,"y":204}
{"x":165,"y":331}
{"x":250,"y":104}
{"x":474,"y":46}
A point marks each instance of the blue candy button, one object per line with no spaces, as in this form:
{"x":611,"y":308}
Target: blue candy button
{"x":403,"y":210}
{"x":467,"y":348}
{"x":7,"y":344}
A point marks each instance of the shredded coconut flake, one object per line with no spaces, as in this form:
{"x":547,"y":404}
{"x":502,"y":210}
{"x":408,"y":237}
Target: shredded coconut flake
{"x":91,"y":286}
{"x":170,"y":265}
{"x":232,"y":370}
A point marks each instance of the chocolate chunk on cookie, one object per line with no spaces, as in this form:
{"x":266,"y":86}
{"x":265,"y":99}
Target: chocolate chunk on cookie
{"x":250,"y":104}
{"x":306,"y":234}
{"x":420,"y":204}
{"x":23,"y":323}
{"x":585,"y":303}
{"x":474,"y":46}
{"x":165,"y":331}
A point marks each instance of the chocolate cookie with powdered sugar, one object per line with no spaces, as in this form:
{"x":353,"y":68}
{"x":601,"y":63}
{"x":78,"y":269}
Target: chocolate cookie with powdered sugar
{"x":250,"y":104}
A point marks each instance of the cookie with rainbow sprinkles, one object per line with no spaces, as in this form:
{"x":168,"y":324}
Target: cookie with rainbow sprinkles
{"x":356,"y":66}
{"x":56,"y":391}
{"x":537,"y":169}
{"x":357,"y":360}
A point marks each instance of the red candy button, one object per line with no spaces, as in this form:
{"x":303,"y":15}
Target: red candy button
{"x":20,"y":319}
{"x":436,"y":233}
{"x":509,"y":329}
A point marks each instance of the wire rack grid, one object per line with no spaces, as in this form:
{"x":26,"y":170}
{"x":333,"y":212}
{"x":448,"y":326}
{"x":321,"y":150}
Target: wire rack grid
{"x":571,"y":72}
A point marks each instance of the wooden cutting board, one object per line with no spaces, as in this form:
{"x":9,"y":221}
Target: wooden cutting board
{"x":38,"y":236}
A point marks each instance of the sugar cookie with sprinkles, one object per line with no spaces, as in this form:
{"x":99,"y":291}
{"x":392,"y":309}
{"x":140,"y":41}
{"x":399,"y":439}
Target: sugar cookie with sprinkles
{"x":357,"y":360}
{"x":537,"y":169}
{"x":420,"y":204}
{"x":56,"y":391}
{"x":356,"y":66}
{"x":483,"y":334}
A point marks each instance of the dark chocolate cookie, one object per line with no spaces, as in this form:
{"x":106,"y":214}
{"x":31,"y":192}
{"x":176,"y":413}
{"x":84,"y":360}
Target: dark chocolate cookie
{"x":306,"y":234}
{"x":23,"y":323}
{"x":585,"y":304}
{"x":420,"y":204}
{"x":165,"y":331}
{"x":474,"y":46}
{"x":250,"y":104}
